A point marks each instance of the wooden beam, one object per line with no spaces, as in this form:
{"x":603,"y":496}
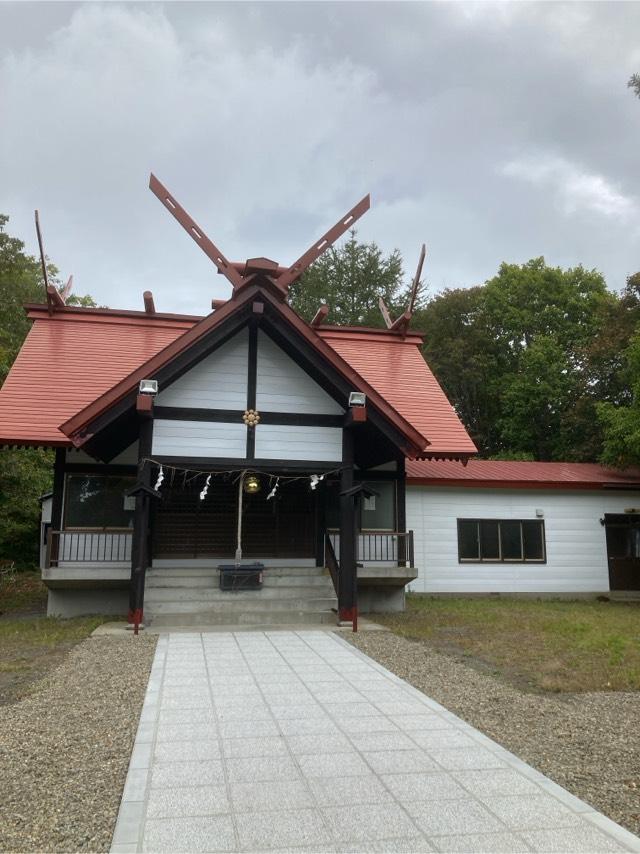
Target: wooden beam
{"x":144,"y":405}
{"x":67,"y":289}
{"x":57,"y":501}
{"x":43,"y":263}
{"x":327,"y":240}
{"x":416,"y":280}
{"x":401,"y":324}
{"x":195,"y":232}
{"x":54,"y":299}
{"x":149,"y":305}
{"x":320,"y":316}
{"x":140,"y":542}
{"x":355,"y":415}
{"x":385,"y":313}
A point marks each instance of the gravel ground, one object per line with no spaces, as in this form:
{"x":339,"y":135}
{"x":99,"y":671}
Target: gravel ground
{"x":64,"y":749}
{"x":588,"y":743}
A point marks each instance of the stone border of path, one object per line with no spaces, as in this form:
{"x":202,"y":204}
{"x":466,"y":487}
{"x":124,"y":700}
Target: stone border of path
{"x":128,"y":833}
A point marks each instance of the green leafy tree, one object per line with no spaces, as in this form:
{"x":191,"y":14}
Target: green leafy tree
{"x":619,"y":415}
{"x":24,"y":474}
{"x":20,"y":282}
{"x":350,"y":279}
{"x":517,"y":358}
{"x":460,"y":350}
{"x":621,"y":424}
{"x":634,"y":83}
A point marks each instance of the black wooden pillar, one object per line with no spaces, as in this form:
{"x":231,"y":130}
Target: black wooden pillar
{"x":320,"y":522}
{"x":141,"y":517}
{"x":57,"y":504}
{"x":348,"y":578}
{"x":401,"y":510}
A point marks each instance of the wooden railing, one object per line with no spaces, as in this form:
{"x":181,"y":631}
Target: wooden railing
{"x":331,"y":562}
{"x":379,"y":546}
{"x":97,"y":546}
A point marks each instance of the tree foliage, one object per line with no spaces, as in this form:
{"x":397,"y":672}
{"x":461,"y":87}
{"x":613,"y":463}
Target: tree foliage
{"x":350,"y":279}
{"x":620,"y":418}
{"x":24,"y":474}
{"x":634,"y":83}
{"x":526,"y":358}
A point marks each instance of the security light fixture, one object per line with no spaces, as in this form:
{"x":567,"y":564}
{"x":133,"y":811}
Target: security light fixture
{"x":148,"y":387}
{"x":357,"y":398}
{"x":252,"y":484}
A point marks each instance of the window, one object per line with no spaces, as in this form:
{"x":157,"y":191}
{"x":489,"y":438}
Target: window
{"x":378,"y":513}
{"x":501,"y":540}
{"x":98,"y":501}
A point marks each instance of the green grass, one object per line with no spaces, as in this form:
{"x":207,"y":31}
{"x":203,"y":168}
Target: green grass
{"x":30,"y":643}
{"x":22,"y":591}
{"x":31,"y":647}
{"x":547,"y":645}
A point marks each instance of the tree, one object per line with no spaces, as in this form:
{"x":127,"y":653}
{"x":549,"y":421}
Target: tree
{"x":24,"y":474}
{"x":459,"y":349}
{"x":621,"y":424}
{"x":518,"y":361}
{"x":350,"y":279}
{"x":619,"y":415}
{"x":634,"y":83}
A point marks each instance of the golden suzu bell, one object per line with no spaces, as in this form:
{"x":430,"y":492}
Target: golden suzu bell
{"x":252,"y":484}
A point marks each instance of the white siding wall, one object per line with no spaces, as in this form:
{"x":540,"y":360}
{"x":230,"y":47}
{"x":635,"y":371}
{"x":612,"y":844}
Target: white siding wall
{"x":219,"y":381}
{"x":198,"y":439}
{"x":282,"y":385}
{"x":284,"y":442}
{"x":576,"y":545}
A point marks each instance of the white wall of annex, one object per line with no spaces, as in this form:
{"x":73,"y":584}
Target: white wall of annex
{"x":219,"y":381}
{"x":283,"y":386}
{"x":575,"y":539}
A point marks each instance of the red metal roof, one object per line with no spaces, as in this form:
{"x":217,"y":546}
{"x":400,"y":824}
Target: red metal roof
{"x":396,"y":368}
{"x":520,"y":475}
{"x":66,"y":361}
{"x":73,"y":358}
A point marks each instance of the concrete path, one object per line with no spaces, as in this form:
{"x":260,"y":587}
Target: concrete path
{"x":281,"y":741}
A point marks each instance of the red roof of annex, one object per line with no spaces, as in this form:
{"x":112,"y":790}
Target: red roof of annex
{"x":519,"y":475}
{"x":73,"y":356}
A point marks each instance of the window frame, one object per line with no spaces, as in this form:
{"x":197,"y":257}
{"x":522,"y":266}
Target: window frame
{"x":394,"y":511}
{"x":91,"y":528}
{"x":502,"y":560}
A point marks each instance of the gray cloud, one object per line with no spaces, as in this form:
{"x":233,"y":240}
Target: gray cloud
{"x":492,"y":131}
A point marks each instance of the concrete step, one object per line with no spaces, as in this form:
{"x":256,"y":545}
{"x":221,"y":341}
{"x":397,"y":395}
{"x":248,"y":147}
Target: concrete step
{"x":209,"y":581}
{"x":214,"y":594}
{"x":272,"y":571}
{"x":238,"y":605}
{"x":204,"y":620}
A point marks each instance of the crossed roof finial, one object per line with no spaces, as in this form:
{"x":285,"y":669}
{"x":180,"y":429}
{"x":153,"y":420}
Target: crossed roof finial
{"x":239,"y":274}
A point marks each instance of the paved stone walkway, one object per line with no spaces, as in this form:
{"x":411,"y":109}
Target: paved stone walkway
{"x":281,"y":741}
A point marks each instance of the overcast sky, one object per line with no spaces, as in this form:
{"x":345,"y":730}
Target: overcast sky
{"x":492,"y":132}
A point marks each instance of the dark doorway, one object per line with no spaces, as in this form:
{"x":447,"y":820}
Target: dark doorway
{"x":186,"y":527}
{"x":623,"y":550}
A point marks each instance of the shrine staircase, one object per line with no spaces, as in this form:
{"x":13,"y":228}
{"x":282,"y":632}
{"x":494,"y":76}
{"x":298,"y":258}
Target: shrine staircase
{"x":191,"y":597}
